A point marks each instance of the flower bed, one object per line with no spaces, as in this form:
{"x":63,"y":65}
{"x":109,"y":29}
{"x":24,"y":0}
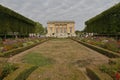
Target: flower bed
{"x":107,"y":43}
{"x":103,"y":51}
{"x":12,"y":47}
{"x":112,"y":68}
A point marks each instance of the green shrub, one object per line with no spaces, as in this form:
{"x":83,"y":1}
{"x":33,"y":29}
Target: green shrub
{"x":30,"y":42}
{"x":37,"y":41}
{"x":7,"y":69}
{"x":25,"y":44}
{"x":21,"y":73}
{"x":24,"y":75}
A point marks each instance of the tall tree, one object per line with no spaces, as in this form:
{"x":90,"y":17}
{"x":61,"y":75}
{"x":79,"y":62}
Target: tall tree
{"x":39,"y":28}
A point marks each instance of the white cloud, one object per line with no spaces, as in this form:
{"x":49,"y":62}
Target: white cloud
{"x":46,"y":10}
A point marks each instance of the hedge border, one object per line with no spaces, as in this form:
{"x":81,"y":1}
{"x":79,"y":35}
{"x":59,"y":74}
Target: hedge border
{"x":21,"y":49}
{"x":15,"y":14}
{"x":21,"y":73}
{"x":106,"y":22}
{"x":95,"y":74}
{"x":103,"y":51}
{"x":83,"y":75}
{"x":24,"y":75}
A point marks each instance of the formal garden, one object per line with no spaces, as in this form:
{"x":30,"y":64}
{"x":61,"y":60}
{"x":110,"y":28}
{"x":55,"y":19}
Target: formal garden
{"x":25,"y":55}
{"x":104,"y":42}
{"x":108,"y":47}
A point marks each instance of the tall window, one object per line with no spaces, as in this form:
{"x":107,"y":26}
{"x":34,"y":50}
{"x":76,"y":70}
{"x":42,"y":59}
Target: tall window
{"x":61,"y":30}
{"x":65,"y":30}
{"x":56,"y":30}
{"x":70,"y":29}
{"x":50,"y":29}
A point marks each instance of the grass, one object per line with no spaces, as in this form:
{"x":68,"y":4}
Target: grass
{"x":37,"y":59}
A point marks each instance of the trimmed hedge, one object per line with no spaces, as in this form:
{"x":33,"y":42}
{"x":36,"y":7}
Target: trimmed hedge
{"x":103,"y":51}
{"x":114,"y":61}
{"x":24,"y":75}
{"x":40,"y":70}
{"x":21,"y":73}
{"x":11,"y":22}
{"x":105,"y":23}
{"x":15,"y":14}
{"x":18,"y":50}
{"x":95,"y":74}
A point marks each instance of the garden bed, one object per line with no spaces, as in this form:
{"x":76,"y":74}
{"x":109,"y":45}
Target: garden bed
{"x":95,"y":74}
{"x":21,"y":73}
{"x":112,"y":68}
{"x":6,"y":69}
{"x":103,"y":51}
{"x":26,"y":46}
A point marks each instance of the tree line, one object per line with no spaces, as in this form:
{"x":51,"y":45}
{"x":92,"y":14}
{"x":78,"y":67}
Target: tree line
{"x":13,"y":23}
{"x":108,"y":22}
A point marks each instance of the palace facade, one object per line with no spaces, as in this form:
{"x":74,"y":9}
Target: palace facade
{"x":61,"y":29}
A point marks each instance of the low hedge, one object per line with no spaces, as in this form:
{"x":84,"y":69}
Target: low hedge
{"x":18,"y":50}
{"x":24,"y":75}
{"x":21,"y":73}
{"x":77,"y":74}
{"x":103,"y":51}
{"x":114,"y":61}
{"x":95,"y":74}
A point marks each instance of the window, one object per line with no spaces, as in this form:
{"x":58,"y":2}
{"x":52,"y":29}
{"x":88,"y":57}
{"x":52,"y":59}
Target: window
{"x":61,"y":30}
{"x":70,"y":29}
{"x":65,"y":30}
{"x":50,"y":29}
{"x":56,"y":30}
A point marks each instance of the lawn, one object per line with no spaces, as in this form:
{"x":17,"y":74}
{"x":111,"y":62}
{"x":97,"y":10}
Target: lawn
{"x":37,"y":59}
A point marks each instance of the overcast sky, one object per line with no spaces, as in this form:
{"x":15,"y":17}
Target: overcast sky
{"x":59,"y":10}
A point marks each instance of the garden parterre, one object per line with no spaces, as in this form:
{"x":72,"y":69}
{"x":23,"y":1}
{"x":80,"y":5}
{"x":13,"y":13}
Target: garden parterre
{"x":107,"y":43}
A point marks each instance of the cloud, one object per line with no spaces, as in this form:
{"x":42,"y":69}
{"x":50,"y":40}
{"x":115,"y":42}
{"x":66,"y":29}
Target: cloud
{"x":47,"y":10}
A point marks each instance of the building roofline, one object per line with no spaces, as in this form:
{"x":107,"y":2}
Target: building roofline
{"x":60,"y":22}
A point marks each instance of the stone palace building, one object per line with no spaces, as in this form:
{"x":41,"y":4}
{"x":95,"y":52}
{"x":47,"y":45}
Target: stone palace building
{"x":61,"y":29}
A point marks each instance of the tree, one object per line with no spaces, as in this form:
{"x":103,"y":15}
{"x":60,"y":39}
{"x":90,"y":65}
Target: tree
{"x":39,"y":28}
{"x":78,"y":33}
